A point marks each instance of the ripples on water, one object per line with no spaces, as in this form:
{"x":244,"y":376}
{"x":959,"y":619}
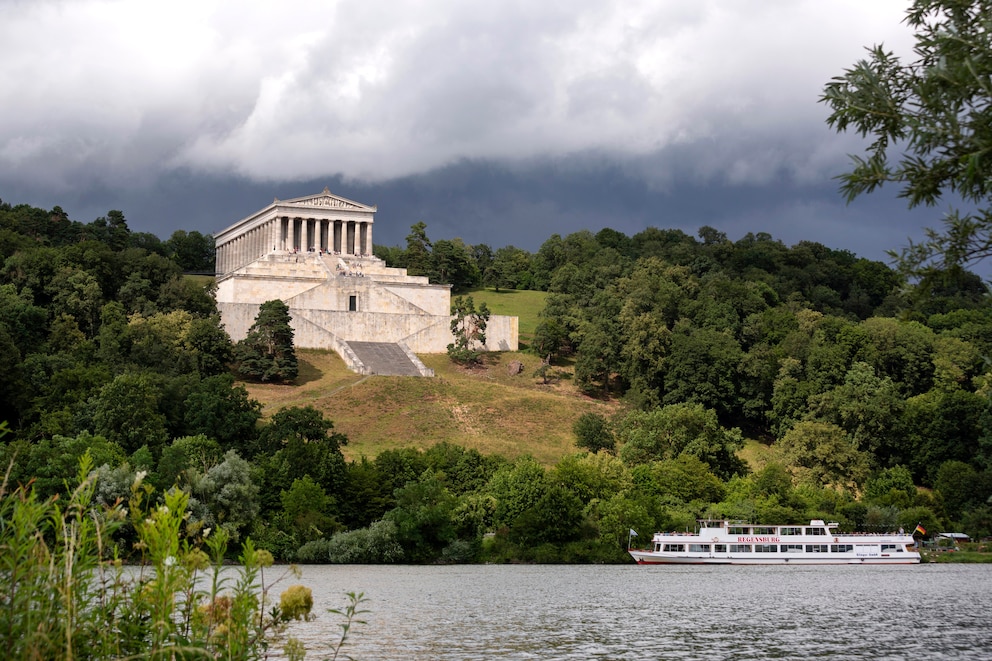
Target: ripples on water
{"x":482,"y":612}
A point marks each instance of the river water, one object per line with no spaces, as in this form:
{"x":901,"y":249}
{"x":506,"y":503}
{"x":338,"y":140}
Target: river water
{"x":469,"y":612}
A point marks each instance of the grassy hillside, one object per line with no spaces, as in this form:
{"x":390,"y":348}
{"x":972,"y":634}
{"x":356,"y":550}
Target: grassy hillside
{"x":484,"y":408}
{"x":515,"y":303}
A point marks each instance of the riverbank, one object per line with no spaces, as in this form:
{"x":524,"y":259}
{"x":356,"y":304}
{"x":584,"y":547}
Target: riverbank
{"x":955,"y":556}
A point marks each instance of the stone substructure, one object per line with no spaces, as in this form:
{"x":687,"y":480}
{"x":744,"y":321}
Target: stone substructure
{"x":314,"y":253}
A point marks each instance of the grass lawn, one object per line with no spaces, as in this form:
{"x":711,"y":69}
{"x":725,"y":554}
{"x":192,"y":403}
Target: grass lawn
{"x":485,"y":408}
{"x":514,"y":303}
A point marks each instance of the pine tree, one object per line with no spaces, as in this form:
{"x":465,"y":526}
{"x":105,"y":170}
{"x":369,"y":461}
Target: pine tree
{"x":266,"y":354}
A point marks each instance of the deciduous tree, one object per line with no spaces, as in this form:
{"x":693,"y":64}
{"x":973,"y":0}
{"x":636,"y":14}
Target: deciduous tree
{"x":928,"y":121}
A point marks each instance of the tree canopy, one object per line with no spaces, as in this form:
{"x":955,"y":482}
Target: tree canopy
{"x":929,"y":122}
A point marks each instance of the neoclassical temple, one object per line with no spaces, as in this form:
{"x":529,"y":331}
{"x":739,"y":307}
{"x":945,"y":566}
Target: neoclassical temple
{"x":315,"y":254}
{"x":324,"y":222}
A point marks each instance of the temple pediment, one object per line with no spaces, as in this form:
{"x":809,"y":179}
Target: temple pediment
{"x":325,"y":200}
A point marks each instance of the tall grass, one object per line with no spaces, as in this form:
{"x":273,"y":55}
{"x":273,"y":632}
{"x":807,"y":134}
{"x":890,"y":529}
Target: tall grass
{"x":66,"y":595}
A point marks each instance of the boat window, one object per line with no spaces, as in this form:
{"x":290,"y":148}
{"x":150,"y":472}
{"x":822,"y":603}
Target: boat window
{"x":739,"y":530}
{"x":792,"y":548}
{"x":674,"y":548}
{"x":699,"y":548}
{"x":719,"y":548}
{"x":816,"y":548}
{"x":891,"y":547}
{"x":816,"y":531}
{"x":762,"y":530}
{"x":766,"y":548}
{"x":792,"y":531}
{"x":841,"y":548}
{"x":740,"y":548}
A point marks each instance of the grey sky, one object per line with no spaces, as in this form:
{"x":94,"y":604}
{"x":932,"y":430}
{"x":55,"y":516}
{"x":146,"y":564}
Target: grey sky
{"x":500,"y":122}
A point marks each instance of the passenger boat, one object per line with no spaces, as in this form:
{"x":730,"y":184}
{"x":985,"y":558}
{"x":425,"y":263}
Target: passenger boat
{"x":722,"y":542}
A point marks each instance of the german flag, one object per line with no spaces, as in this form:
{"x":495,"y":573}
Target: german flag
{"x":920,"y":529}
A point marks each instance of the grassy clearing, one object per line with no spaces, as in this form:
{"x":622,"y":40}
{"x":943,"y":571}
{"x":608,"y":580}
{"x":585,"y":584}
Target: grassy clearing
{"x":757,"y":454}
{"x":487,"y":408}
{"x":513,"y":302}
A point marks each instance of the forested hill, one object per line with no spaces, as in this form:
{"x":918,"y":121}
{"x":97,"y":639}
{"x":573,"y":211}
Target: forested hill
{"x":864,"y":385}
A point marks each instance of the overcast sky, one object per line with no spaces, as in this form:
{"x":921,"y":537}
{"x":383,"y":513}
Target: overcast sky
{"x":500,"y":121}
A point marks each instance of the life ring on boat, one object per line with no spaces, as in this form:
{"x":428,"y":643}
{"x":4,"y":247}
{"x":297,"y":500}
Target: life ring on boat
{"x":716,"y":539}
{"x":835,"y":540}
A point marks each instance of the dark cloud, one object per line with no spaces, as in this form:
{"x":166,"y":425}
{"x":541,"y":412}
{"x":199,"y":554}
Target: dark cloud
{"x":524,"y":204}
{"x":496,"y":122}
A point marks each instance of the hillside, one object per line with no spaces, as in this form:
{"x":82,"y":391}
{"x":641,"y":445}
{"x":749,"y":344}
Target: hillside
{"x":485,"y":408}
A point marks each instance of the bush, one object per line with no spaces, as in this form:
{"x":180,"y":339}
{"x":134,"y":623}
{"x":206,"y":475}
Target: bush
{"x":63,"y":599}
{"x":296,"y":602}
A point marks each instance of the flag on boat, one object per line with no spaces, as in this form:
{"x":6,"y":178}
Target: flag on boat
{"x":633,"y":533}
{"x":920,"y":529}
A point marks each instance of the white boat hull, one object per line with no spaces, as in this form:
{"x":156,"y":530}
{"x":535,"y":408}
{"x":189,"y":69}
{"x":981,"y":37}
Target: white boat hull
{"x":650,"y":558}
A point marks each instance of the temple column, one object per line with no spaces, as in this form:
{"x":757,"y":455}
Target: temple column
{"x":337,"y":236}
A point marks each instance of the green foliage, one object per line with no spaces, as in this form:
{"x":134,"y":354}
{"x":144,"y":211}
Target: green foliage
{"x":469,"y":328}
{"x":928,"y":120}
{"x":821,"y":453}
{"x":68,"y":601}
{"x":192,"y":251}
{"x":296,"y":602}
{"x":305,"y":508}
{"x":218,"y":409}
{"x":593,"y":433}
{"x":267,"y":353}
{"x":226,"y":496}
{"x":126,"y":412}
{"x":677,"y":429}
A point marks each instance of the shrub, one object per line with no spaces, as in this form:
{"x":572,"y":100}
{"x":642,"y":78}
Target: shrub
{"x":296,"y":602}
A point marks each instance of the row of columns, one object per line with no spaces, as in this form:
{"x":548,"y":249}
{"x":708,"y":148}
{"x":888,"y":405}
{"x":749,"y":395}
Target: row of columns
{"x":286,"y":234}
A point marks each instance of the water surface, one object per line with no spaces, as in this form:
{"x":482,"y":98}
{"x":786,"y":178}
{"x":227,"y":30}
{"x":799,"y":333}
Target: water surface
{"x":470,"y":612}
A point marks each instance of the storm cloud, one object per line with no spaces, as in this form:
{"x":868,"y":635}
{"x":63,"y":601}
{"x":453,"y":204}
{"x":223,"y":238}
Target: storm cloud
{"x":497,"y":122}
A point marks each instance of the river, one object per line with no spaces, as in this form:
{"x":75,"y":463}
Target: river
{"x":468,"y":612}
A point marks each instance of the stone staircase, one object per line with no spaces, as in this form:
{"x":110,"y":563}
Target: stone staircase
{"x":388,"y":359}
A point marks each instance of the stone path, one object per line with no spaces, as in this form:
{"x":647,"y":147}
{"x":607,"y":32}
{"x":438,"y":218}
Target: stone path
{"x":385,"y":358}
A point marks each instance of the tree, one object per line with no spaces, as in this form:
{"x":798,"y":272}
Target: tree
{"x":417,"y":258}
{"x":192,"y":251}
{"x":267,"y":353}
{"x":929,"y":121}
{"x":678,"y":429}
{"x":469,"y":328}
{"x":593,"y":433}
{"x":127,"y":412}
{"x":451,"y":264}
{"x":226,"y":496}
{"x":820,"y":453}
{"x":220,"y":410}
